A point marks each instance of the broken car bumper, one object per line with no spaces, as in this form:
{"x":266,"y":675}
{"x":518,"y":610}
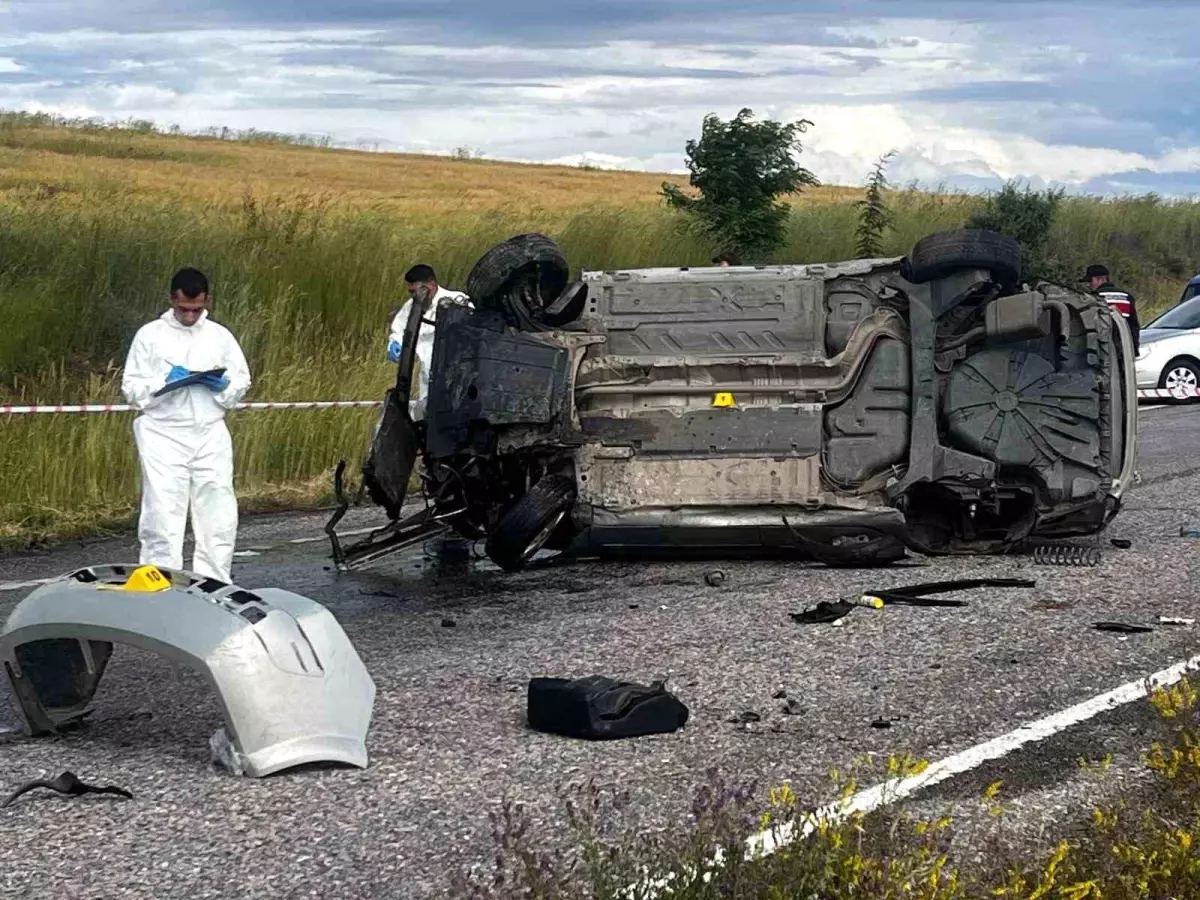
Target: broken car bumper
{"x":291,"y":685}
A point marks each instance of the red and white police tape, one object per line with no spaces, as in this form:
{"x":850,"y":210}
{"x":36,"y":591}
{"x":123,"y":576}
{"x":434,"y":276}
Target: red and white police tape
{"x":1182,"y":393}
{"x":118,"y":407}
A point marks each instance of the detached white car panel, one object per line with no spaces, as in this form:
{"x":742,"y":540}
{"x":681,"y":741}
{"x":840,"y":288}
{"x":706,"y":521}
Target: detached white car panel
{"x":291,"y":684}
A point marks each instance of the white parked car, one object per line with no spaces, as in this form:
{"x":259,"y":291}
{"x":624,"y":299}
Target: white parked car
{"x":1169,"y":352}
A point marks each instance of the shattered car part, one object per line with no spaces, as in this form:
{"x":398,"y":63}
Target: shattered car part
{"x":1067,"y":555}
{"x":845,"y":412}
{"x":915,"y":594}
{"x":67,"y":784}
{"x":1123,"y":628}
{"x":906,"y":595}
{"x":292,"y":688}
{"x":825,"y":611}
{"x":901,"y":600}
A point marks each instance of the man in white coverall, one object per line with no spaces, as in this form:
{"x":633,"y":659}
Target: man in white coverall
{"x":421,"y":282}
{"x":183,"y":444}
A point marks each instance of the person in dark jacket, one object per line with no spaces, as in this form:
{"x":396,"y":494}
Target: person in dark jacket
{"x":1101,"y":285}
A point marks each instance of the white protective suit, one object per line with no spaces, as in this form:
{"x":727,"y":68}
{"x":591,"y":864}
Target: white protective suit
{"x":183,"y":443}
{"x":416,"y":402}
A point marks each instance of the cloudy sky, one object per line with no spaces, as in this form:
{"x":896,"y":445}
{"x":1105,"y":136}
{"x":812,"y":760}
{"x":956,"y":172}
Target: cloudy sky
{"x":1097,"y":95}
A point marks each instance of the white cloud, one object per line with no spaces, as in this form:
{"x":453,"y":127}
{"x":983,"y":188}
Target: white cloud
{"x":66,"y":110}
{"x":978,"y":99}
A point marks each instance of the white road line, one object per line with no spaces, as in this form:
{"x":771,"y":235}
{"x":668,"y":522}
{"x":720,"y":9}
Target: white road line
{"x":767,"y":842}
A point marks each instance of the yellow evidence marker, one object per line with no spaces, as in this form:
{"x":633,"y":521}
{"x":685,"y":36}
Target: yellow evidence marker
{"x":143,"y":580}
{"x":723,"y":401}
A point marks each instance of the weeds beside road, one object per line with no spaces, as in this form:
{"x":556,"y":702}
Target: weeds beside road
{"x":307,"y":247}
{"x":1132,"y":849}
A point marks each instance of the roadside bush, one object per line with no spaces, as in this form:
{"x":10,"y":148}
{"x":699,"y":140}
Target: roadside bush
{"x":1028,"y":217}
{"x":874,"y":217}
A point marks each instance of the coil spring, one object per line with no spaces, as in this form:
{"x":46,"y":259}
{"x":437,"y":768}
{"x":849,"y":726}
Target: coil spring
{"x":1066,"y":555}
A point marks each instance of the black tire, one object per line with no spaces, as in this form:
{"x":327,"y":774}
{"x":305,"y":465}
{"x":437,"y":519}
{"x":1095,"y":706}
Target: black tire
{"x":528,"y":525}
{"x":524,"y":261}
{"x":945,"y":252}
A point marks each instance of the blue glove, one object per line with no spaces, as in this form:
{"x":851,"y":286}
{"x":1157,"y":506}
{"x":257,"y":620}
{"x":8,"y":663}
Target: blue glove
{"x":394,"y":351}
{"x":176,"y":373}
{"x":215,"y":384}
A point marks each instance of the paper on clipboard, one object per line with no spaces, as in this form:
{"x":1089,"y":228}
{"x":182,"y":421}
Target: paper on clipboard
{"x":194,"y":378}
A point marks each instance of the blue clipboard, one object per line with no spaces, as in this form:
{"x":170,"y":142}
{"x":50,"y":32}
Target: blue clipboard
{"x":194,"y":378}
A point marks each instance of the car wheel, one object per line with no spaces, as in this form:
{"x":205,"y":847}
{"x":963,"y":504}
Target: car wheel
{"x":520,"y":277}
{"x":525,"y":529}
{"x":941,"y":254}
{"x":1181,"y":374}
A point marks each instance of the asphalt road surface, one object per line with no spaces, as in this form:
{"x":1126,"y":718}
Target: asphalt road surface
{"x":449,"y":739}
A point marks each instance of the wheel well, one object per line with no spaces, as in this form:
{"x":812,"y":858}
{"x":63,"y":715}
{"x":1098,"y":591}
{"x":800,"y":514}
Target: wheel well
{"x":1184,"y":358}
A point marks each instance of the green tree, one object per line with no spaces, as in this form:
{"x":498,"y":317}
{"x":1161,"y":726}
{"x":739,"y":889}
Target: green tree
{"x":874,"y":217}
{"x":741,"y":168}
{"x":1026,"y":216}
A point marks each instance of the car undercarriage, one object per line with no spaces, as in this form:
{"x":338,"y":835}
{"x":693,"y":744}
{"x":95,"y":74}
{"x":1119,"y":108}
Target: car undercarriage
{"x":844,"y":412}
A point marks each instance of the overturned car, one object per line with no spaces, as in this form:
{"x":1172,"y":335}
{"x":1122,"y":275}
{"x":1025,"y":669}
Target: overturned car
{"x":843,"y":412}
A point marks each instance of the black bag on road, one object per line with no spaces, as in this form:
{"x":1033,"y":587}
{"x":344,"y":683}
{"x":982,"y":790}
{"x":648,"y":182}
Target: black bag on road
{"x":598,"y":708}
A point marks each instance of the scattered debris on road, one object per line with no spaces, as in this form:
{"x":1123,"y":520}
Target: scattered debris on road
{"x":907,"y":595}
{"x":600,"y":708}
{"x":914,"y":594}
{"x":449,"y":623}
{"x":715,"y":578}
{"x":1190,"y":531}
{"x":67,"y":784}
{"x":1122,"y":543}
{"x":1123,"y":628}
{"x":904,"y":600}
{"x":745,"y":717}
{"x":1175,"y":620}
{"x":780,"y":694}
{"x":1066,"y":555}
{"x":824,"y":612}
